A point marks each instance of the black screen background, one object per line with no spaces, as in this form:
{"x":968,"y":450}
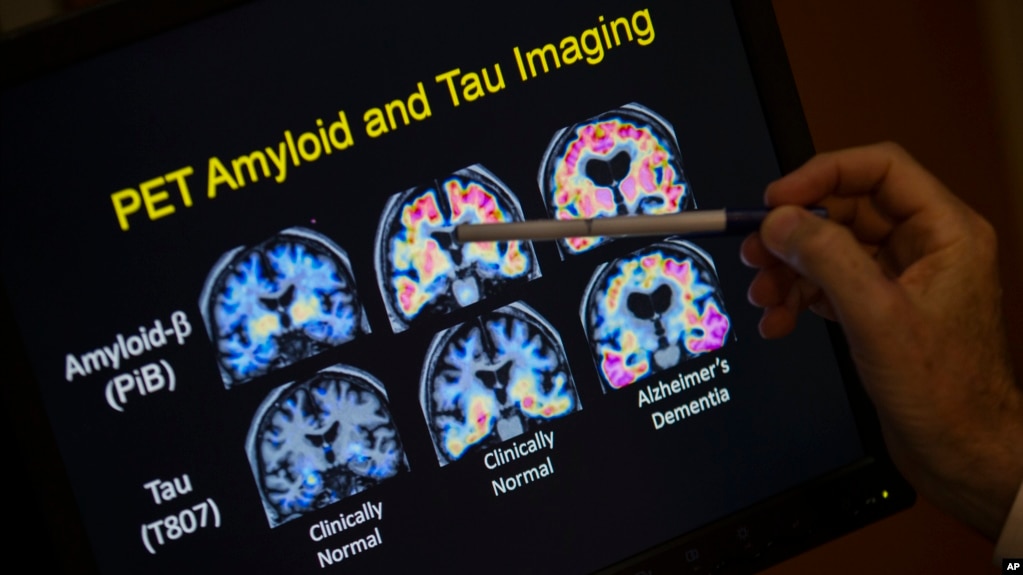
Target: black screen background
{"x":233,"y":84}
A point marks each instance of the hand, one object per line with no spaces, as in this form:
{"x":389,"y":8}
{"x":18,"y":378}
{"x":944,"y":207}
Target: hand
{"x":910,"y":273}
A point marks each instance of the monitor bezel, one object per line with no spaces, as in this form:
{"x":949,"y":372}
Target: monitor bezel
{"x":835,"y":504}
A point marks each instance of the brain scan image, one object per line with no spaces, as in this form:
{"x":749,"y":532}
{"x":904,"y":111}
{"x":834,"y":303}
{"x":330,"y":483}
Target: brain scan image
{"x":422,"y":271}
{"x":315,"y":442}
{"x":494,"y":378}
{"x":652,"y":310}
{"x":267,"y":306}
{"x":624,"y":161}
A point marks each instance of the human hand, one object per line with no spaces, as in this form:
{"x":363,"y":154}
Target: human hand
{"x":910,"y":273}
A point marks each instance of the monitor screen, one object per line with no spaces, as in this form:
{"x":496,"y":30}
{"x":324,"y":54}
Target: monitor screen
{"x":229,"y":257}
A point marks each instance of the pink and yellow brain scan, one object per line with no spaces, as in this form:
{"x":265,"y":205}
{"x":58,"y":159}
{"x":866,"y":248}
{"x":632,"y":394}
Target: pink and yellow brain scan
{"x":288,"y":298}
{"x":494,"y":378}
{"x":651,"y":310}
{"x":422,"y":271}
{"x":315,"y":442}
{"x":624,"y":161}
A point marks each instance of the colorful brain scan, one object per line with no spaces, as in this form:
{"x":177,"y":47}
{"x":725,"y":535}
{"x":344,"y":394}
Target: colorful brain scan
{"x":286,"y":299}
{"x":651,"y":310}
{"x":422,"y":271}
{"x":624,"y":161}
{"x":315,"y":442}
{"x":493,"y":378}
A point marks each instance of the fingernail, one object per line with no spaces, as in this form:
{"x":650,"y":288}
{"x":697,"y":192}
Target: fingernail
{"x":779,"y":225}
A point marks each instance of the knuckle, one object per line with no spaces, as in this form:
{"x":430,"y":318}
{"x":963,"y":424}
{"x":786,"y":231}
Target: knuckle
{"x":985,"y":244}
{"x":891,"y":148}
{"x":985,"y":234}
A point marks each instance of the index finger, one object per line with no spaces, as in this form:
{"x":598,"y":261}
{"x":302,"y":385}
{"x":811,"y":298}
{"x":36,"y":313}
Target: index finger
{"x":898,"y":186}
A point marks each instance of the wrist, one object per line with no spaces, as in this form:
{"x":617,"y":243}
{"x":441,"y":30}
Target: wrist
{"x":984,"y":484}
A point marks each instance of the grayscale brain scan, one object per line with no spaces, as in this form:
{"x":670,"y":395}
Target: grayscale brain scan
{"x":317,"y":441}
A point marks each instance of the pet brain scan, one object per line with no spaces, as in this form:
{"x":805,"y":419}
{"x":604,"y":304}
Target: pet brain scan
{"x":651,"y":310}
{"x":422,"y":271}
{"x":286,"y":299}
{"x":315,"y":442}
{"x":624,"y":161}
{"x":493,"y":378}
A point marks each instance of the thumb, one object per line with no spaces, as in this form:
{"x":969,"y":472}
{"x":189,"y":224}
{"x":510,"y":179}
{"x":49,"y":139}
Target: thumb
{"x":827,"y":254}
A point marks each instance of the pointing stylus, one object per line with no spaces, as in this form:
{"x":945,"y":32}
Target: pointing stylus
{"x":701,"y":222}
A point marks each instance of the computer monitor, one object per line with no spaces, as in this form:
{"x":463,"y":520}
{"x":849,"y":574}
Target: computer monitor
{"x":247,"y":339}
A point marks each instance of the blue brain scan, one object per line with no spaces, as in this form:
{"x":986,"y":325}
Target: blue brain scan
{"x":624,"y":161}
{"x":288,"y":298}
{"x":494,"y":378}
{"x":315,"y":442}
{"x":649,"y":311}
{"x":422,"y":271}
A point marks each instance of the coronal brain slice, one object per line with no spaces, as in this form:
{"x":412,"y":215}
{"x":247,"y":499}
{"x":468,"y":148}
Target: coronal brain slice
{"x":494,"y":378}
{"x":315,"y":442}
{"x":624,"y":161}
{"x":286,"y":299}
{"x":422,"y":271}
{"x":651,"y":310}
